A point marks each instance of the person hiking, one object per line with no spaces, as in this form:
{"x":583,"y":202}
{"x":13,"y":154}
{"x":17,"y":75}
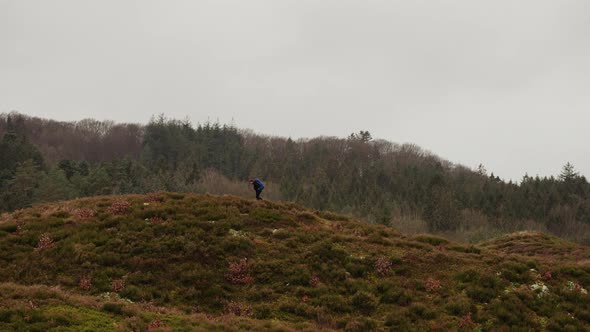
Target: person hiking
{"x":258,"y":186}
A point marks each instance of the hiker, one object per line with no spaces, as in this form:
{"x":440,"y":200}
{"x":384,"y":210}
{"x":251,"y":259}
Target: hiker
{"x":258,"y":186}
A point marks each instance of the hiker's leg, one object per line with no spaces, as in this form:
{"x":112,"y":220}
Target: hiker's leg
{"x":258,"y":194}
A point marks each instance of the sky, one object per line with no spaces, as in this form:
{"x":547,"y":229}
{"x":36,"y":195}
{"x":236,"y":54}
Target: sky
{"x":503,"y":83}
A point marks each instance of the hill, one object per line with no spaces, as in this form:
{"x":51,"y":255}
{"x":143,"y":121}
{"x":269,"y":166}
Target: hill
{"x":182,"y":262}
{"x":400,"y":185}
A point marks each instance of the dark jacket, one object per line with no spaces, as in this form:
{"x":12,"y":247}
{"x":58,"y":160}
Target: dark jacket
{"x":258,"y":185}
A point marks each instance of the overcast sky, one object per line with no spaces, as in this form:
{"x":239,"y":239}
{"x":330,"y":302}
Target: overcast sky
{"x":504,"y":83}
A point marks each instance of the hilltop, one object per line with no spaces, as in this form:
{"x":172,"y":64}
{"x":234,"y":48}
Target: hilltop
{"x":171,"y":261}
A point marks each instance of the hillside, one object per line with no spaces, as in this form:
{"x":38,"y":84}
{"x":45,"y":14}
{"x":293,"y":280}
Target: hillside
{"x":183,"y":262}
{"x":374,"y":180}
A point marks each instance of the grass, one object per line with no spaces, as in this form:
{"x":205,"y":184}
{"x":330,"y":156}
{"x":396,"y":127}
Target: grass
{"x":185,"y":262}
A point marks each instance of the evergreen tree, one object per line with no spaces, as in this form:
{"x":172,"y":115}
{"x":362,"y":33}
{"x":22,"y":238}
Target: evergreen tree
{"x":19,"y":190}
{"x":568,"y":173}
{"x":55,"y":186}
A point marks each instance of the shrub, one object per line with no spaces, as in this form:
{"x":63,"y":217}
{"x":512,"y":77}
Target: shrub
{"x":306,"y":216}
{"x":119,"y":208}
{"x":262,"y":312}
{"x":432,"y":285}
{"x":363,"y":324}
{"x":458,"y":307}
{"x":396,"y":296}
{"x":85,"y":283}
{"x":333,"y":216}
{"x":238,"y":272}
{"x":333,"y":302}
{"x":516,"y":272}
{"x":176,"y":196}
{"x":45,"y":242}
{"x":364,"y":302}
{"x":398,"y":321}
{"x":383,"y":266}
{"x":468,"y":276}
{"x":238,"y":309}
{"x":295,"y":308}
{"x":61,"y":214}
{"x":314,"y":281}
{"x":155,"y":325}
{"x":265,"y":215}
{"x":154,"y":197}
{"x":420,"y":311}
{"x":481,"y":294}
{"x":84,"y":213}
{"x":114,"y":308}
{"x":467,"y":323}
{"x":117,"y":285}
{"x":156,"y":220}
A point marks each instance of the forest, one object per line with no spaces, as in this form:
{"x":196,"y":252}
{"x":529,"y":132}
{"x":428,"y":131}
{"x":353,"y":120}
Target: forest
{"x":399,"y":185}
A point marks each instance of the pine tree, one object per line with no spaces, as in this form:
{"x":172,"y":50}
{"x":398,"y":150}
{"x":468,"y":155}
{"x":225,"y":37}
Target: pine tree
{"x":20,"y":189}
{"x":55,"y":187}
{"x":568,"y":173}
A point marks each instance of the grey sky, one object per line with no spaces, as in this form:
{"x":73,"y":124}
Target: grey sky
{"x":504,"y":83}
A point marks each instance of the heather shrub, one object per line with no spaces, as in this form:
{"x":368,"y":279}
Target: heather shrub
{"x":420,"y":311}
{"x":516,"y":272}
{"x":262,"y":311}
{"x":392,"y":294}
{"x":239,"y":309}
{"x":85,"y":283}
{"x":84,"y":213}
{"x":466,"y":323}
{"x":296,"y":308}
{"x":458,"y":306}
{"x":45,"y":242}
{"x":114,"y":308}
{"x":362,"y":324}
{"x":154,"y":197}
{"x":432,"y":285}
{"x":468,"y":276}
{"x":238,"y":272}
{"x":117,"y":285}
{"x":333,"y":216}
{"x":156,"y":220}
{"x":364,"y":302}
{"x":265,"y":215}
{"x":398,"y":320}
{"x":358,"y":268}
{"x":176,"y":196}
{"x":306,"y":216}
{"x":314,"y":281}
{"x":383,"y":266}
{"x":481,"y":294}
{"x":333,"y":302}
{"x":61,"y":214}
{"x":120,"y":207}
{"x":132,"y":293}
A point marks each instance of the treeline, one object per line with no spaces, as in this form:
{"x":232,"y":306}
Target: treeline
{"x":380,"y":181}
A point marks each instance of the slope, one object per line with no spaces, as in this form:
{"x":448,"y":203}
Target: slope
{"x":169,"y":261}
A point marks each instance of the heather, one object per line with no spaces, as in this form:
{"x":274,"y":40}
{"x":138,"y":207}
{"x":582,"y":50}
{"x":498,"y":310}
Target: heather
{"x":183,"y":262}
